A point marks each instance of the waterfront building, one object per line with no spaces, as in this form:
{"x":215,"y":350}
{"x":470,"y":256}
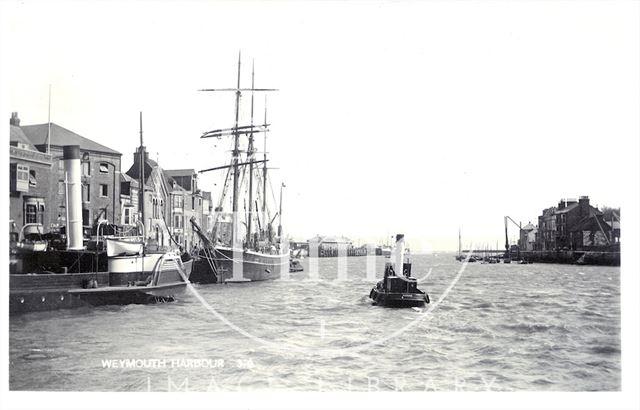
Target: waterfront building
{"x":568,"y":214}
{"x":30,"y":179}
{"x":171,"y":199}
{"x":100,"y":175}
{"x":575,"y":225}
{"x":546,"y":235}
{"x":129,"y":198}
{"x":330,"y":243}
{"x":156,"y":194}
{"x":593,"y":234}
{"x":528,"y":234}
{"x":185,"y":186}
{"x":207,"y":211}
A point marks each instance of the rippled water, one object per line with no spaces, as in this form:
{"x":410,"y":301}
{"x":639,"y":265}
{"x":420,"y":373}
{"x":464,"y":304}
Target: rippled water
{"x":502,"y":328}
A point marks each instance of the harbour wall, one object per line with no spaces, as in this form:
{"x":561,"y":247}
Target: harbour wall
{"x":573,"y":257}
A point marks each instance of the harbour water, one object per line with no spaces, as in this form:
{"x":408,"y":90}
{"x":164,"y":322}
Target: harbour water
{"x":540,"y":327}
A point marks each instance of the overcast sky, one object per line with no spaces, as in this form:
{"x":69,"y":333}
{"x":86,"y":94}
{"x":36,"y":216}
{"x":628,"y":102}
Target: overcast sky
{"x":414,"y":117}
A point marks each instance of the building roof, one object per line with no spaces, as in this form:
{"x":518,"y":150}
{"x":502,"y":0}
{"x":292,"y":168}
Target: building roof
{"x":567,"y":208}
{"x":126,"y":178}
{"x":591,"y":223}
{"x":180,"y":172}
{"x":330,"y":239}
{"x":17,"y":135}
{"x":616,"y":224}
{"x":61,"y":136}
{"x":528,"y":227}
{"x":175,"y":186}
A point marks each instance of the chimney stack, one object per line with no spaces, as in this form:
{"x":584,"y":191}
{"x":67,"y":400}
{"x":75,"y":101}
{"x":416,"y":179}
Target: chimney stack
{"x":14,"y":119}
{"x":584,"y":206}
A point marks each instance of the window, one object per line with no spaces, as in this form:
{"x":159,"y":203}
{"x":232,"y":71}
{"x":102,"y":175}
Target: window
{"x":127,"y":216}
{"x":32,"y":178}
{"x":193,"y":203}
{"x":104,"y":168}
{"x":61,"y":188}
{"x":30,"y":214}
{"x":86,"y":217}
{"x":86,"y":192}
{"x":33,"y":210}
{"x":86,"y":165}
{"x":104,"y":190}
{"x":22,"y":178}
{"x":60,"y":164}
{"x":200,"y":202}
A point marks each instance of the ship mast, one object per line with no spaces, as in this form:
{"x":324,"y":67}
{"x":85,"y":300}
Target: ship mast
{"x":250,"y":159}
{"x":236,"y":137}
{"x":236,"y":131}
{"x":264,"y":168}
{"x":141,"y":173}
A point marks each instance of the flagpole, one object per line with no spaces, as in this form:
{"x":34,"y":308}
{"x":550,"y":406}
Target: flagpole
{"x":49,"y":124}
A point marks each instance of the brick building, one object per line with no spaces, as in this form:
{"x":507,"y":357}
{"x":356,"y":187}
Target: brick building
{"x":573,"y":225}
{"x":568,"y":214}
{"x":546,"y":235}
{"x":592,"y":233}
{"x":100,"y":175}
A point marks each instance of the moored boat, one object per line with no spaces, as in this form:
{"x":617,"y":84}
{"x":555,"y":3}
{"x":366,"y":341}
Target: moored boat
{"x":243,"y":245}
{"x":79,"y":276}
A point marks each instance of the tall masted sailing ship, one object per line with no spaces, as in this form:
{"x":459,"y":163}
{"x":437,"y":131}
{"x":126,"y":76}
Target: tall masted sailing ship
{"x":243,"y":245}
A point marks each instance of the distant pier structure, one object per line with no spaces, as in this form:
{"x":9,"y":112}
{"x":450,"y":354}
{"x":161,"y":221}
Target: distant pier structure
{"x":331,"y":246}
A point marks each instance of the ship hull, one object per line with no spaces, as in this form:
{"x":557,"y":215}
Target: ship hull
{"x":52,"y":291}
{"x":254,"y":266}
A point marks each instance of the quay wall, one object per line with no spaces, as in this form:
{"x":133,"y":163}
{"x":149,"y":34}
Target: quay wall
{"x":573,"y":257}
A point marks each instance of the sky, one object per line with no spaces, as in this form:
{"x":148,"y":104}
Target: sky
{"x":413,"y":117}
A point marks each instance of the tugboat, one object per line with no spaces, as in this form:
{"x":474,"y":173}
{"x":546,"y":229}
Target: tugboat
{"x":398,"y":288}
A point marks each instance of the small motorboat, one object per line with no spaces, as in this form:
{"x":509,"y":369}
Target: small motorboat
{"x":295,"y":266}
{"x":398,"y":289}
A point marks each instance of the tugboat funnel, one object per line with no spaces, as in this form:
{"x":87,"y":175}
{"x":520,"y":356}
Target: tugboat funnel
{"x":399,"y":254}
{"x":71,"y":158}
